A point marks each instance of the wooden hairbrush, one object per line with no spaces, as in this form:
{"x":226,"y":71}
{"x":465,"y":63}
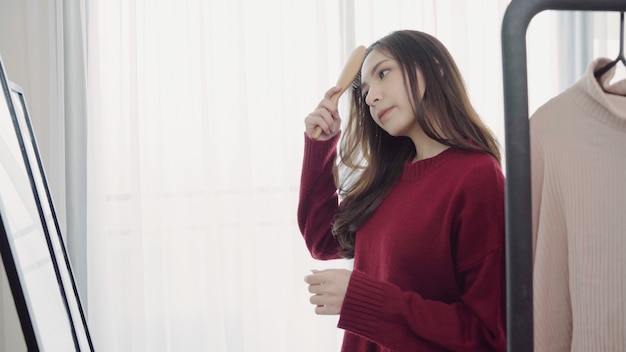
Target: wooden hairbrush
{"x":346,"y":78}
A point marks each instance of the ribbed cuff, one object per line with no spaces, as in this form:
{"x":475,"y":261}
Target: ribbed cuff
{"x":362,"y":305}
{"x":319,"y":150}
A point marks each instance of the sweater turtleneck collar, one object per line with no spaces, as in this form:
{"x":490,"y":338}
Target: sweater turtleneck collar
{"x":600,"y":98}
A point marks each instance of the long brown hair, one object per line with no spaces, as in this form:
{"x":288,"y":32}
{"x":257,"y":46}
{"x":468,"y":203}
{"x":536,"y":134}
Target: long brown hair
{"x":374,"y":159}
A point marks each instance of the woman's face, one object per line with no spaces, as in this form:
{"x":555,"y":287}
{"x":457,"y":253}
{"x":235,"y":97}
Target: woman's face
{"x":384,"y":91}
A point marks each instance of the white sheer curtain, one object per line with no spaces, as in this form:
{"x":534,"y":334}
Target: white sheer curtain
{"x":195,"y":133}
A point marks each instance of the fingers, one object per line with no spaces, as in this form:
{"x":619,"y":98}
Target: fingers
{"x":328,"y":288}
{"x":325,"y":115}
{"x":326,"y":304}
{"x":326,"y":310}
{"x":315,"y":278}
{"x":322,"y":117}
{"x":331,"y":92}
{"x":328,"y":103}
{"x":317,"y":300}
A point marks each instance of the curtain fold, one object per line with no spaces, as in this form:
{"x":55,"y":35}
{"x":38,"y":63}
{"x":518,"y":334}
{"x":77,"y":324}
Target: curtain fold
{"x":74,"y":84}
{"x":193,"y":172}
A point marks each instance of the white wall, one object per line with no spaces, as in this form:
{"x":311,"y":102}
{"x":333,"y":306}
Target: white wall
{"x":28,"y":47}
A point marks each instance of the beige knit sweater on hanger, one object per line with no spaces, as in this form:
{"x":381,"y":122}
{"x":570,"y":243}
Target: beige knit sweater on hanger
{"x":578,"y":168}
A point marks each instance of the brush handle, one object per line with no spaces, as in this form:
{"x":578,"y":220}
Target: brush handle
{"x":346,"y":77}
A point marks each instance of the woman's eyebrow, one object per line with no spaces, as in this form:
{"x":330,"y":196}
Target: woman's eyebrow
{"x":371,"y":73}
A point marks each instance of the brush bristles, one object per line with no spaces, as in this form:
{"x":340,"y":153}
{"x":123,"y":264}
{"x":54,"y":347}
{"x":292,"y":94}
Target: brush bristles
{"x":357,"y":81}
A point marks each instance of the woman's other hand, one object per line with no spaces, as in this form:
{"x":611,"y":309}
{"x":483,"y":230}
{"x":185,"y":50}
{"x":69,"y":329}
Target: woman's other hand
{"x":329,"y":289}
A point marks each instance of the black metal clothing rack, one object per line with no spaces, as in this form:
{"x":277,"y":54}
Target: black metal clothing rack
{"x":517,"y":17}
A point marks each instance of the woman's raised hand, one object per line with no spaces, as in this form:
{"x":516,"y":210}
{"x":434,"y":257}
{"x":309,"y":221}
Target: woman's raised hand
{"x":326,"y":116}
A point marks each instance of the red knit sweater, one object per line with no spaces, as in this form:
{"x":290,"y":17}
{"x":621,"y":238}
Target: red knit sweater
{"x":429,"y":263}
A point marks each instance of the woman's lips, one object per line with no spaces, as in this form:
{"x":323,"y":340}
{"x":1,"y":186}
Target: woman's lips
{"x":383,"y":113}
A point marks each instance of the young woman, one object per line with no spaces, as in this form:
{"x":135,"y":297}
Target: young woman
{"x":422,"y":213}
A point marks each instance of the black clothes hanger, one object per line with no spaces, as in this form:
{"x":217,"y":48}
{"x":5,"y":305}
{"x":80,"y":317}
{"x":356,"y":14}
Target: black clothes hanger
{"x":620,"y":57}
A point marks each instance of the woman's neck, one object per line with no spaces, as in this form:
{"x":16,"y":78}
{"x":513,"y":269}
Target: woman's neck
{"x":426,"y":147}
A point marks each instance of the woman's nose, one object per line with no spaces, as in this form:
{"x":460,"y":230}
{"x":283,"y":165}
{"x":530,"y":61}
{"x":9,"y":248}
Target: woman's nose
{"x":372,"y":97}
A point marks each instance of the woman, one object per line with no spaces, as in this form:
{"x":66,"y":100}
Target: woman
{"x":422,"y":212}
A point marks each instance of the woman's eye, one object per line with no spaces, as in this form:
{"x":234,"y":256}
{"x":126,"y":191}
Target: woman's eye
{"x":383,"y":73}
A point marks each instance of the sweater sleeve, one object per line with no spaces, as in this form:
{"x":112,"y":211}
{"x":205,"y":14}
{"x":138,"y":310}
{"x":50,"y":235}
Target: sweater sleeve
{"x":552,"y":314}
{"x":318,"y":199}
{"x":403,"y":320}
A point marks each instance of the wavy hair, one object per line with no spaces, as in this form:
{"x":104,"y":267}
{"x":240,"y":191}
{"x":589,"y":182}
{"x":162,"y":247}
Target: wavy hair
{"x":374,"y":158}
